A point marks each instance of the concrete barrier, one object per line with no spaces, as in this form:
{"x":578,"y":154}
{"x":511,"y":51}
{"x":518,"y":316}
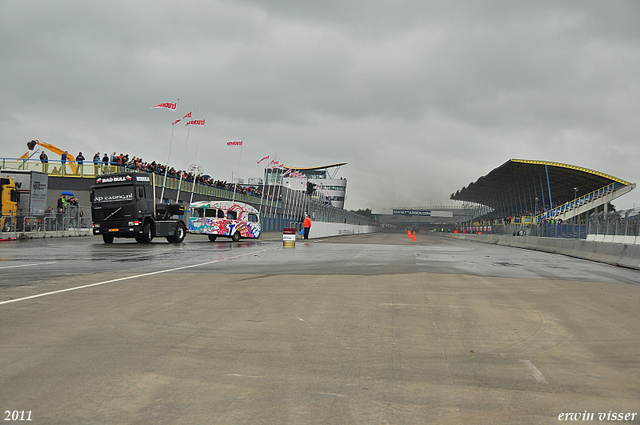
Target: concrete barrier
{"x":583,"y":249}
{"x":543,"y":244}
{"x":610,"y":253}
{"x":618,"y":254}
{"x":321,"y":230}
{"x":564,"y":246}
{"x":631,"y":257}
{"x":627,"y":240}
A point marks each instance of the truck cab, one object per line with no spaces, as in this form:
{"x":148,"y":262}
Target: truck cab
{"x":123,"y":206}
{"x":9,"y":199}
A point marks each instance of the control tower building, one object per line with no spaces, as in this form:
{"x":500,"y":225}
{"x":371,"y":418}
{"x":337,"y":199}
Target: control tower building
{"x":328,"y":186}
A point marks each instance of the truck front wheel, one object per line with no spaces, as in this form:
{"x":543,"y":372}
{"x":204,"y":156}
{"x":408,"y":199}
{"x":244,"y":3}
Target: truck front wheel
{"x":147,"y":233}
{"x":107,"y":238}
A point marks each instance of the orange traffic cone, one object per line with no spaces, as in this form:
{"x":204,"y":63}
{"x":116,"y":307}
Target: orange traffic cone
{"x":414,"y":236}
{"x":409,"y":234}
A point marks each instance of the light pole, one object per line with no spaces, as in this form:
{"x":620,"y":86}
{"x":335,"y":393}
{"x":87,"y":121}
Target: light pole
{"x":575,"y":196}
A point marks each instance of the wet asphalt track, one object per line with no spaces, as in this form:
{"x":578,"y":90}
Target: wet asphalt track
{"x":348,"y":330}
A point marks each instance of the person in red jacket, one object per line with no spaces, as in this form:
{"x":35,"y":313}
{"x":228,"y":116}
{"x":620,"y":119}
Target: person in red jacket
{"x":307,"y":226}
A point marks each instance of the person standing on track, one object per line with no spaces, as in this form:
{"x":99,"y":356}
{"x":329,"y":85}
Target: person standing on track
{"x":307,"y":226}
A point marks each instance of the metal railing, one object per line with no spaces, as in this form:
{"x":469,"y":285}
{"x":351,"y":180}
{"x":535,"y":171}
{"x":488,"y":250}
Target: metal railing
{"x":279,"y":208}
{"x":575,"y":203}
{"x":545,"y":230}
{"x":71,"y":218}
{"x":616,"y":226}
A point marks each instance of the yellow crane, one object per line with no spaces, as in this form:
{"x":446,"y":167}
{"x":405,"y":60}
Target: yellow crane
{"x":70,"y":158}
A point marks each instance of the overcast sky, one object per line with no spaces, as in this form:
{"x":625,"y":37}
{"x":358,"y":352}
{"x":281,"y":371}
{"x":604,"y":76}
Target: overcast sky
{"x":419,"y":98}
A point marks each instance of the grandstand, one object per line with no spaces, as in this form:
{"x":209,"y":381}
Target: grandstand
{"x":528,"y":191}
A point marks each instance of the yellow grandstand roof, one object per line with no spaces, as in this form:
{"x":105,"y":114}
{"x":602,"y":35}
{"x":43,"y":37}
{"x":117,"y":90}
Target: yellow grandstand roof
{"x":520,"y":181}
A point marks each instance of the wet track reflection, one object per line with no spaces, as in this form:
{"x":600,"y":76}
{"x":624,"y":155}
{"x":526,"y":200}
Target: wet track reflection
{"x":349,"y":330}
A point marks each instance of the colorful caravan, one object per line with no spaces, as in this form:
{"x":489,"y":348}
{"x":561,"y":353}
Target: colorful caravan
{"x":225,"y":218}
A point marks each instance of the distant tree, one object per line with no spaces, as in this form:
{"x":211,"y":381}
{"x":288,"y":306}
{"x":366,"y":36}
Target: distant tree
{"x":364,"y":213}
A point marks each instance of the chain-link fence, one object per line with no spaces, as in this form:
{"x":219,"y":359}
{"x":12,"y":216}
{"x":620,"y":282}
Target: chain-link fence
{"x":616,"y":223}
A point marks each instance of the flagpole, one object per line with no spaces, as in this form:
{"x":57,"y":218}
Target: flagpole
{"x":264,"y":185}
{"x":183,"y":156}
{"x":261,"y":198}
{"x":297,"y":208}
{"x":235,"y":186}
{"x":279,"y":186}
{"x":272,"y":192}
{"x":166,"y":167}
{"x":197,"y":163}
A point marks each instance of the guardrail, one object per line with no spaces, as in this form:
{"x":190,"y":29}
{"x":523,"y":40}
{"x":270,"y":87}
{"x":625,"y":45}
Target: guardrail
{"x":279,"y":208}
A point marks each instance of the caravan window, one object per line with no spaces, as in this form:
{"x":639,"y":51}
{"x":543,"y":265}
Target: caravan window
{"x":253,"y":218}
{"x":199,"y":212}
{"x":232,"y":215}
{"x":220,"y":214}
{"x":210,"y":212}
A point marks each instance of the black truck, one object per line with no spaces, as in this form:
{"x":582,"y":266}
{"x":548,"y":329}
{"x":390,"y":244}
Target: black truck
{"x":123,"y":205}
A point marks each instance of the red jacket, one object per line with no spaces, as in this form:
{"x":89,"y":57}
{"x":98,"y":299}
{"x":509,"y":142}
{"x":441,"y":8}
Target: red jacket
{"x":306,"y":222}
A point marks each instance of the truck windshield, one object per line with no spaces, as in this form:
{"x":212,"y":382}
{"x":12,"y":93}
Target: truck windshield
{"x":113,"y":194}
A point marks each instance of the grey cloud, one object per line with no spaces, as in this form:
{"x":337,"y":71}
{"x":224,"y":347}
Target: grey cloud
{"x":419,"y":97}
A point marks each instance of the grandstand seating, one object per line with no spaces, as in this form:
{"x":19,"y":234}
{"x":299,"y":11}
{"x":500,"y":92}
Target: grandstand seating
{"x":587,"y":202}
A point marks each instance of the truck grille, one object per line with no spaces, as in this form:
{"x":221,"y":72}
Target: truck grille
{"x":99,"y":214}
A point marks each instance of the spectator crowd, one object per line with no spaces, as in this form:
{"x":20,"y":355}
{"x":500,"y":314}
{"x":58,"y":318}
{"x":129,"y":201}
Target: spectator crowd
{"x":123,"y":162}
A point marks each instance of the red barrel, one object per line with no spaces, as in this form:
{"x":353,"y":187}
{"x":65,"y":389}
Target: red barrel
{"x":289,"y":237}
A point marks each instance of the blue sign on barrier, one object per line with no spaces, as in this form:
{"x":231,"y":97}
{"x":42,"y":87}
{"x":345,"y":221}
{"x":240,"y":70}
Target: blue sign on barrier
{"x":425,"y":213}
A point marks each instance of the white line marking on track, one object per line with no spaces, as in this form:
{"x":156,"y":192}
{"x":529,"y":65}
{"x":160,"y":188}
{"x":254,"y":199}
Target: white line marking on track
{"x":534,"y":370}
{"x":240,"y":375}
{"x":27,"y":265}
{"x":75,"y":288}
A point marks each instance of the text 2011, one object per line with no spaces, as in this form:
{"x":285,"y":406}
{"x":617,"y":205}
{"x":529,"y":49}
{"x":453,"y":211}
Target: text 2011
{"x":17,"y":415}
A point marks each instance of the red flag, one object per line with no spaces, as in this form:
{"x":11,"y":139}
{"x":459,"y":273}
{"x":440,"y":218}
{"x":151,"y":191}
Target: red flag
{"x":266,"y":157}
{"x":195,"y":122}
{"x":185,"y":117}
{"x":166,"y":105}
{"x":235,"y":143}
